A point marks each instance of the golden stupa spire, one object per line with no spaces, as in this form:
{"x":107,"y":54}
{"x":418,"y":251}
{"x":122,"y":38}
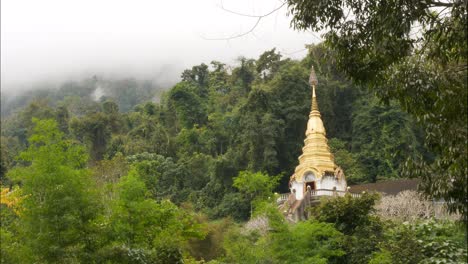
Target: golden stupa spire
{"x":313,"y":82}
{"x":316,"y":157}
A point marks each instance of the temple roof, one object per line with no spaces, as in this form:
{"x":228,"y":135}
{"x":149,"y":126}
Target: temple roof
{"x":390,"y":187}
{"x":316,"y":156}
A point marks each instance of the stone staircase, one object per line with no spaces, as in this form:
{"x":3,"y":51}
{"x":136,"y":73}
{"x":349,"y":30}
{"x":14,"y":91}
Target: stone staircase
{"x":295,"y":210}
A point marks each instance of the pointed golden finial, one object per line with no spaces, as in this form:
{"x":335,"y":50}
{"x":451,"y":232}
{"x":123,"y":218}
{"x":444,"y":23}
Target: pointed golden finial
{"x":313,"y":78}
{"x":313,"y":82}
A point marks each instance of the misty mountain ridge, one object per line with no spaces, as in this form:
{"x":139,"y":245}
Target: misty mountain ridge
{"x":126,"y":92}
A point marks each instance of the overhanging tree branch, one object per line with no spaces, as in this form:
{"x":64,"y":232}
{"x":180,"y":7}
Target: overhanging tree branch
{"x":248,"y":15}
{"x":258,"y":17}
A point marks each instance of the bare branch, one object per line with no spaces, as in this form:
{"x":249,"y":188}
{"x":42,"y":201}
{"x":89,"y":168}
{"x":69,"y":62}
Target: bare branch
{"x":294,"y":52}
{"x":248,"y":15}
{"x":258,"y":17}
{"x":237,"y":35}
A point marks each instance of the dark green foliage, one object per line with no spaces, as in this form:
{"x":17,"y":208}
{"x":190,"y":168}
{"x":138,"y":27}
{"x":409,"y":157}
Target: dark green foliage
{"x":354,"y":218}
{"x":234,"y":205}
{"x":187,"y":106}
{"x":253,"y":119}
{"x":355,"y":171}
{"x":216,"y":123}
{"x":162,"y":176}
{"x":347,"y":213}
{"x":10,"y":147}
{"x":211,"y":145}
{"x":268,"y":64}
{"x":413,"y":52}
{"x":21,"y":126}
{"x":210,"y":247}
{"x":82,"y":96}
{"x":383,"y":138}
{"x":198,"y":75}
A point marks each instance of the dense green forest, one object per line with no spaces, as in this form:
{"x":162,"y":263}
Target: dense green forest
{"x":219,"y":121}
{"x":168,"y":181}
{"x":122,"y":171}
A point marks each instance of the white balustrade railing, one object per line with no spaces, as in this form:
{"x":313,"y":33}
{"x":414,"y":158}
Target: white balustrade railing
{"x":284,"y":196}
{"x":320,"y":192}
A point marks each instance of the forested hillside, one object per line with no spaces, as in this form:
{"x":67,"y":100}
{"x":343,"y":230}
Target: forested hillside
{"x":126,"y":170}
{"x":130,"y":179}
{"x":80,"y":95}
{"x":220,"y":120}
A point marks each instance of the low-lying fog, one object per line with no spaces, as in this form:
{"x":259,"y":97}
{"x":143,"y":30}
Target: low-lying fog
{"x":51,"y":41}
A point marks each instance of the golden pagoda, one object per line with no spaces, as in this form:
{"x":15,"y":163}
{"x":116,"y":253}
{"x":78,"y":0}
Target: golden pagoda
{"x":317,"y":169}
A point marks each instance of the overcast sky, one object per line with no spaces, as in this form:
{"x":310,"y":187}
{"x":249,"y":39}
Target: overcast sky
{"x":44,"y":40}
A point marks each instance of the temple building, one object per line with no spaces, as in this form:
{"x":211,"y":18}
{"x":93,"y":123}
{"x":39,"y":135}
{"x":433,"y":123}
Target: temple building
{"x":317,"y":174}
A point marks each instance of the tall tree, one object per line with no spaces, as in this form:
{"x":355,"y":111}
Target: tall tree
{"x":143,"y":230}
{"x":96,"y":128}
{"x":60,"y":202}
{"x":187,"y":105}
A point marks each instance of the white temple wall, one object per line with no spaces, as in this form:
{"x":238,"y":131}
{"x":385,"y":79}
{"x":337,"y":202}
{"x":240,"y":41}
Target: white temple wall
{"x":329,"y":183}
{"x":299,"y":187}
{"x":342,"y":185}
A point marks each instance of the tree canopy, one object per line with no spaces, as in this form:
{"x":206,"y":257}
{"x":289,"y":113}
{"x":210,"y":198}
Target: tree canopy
{"x":193,"y":176}
{"x":413,"y":52}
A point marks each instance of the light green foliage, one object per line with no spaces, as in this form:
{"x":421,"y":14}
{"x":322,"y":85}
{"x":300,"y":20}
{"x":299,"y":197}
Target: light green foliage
{"x":61,"y":202}
{"x":383,"y":257}
{"x":304,"y":242}
{"x":424,"y":242}
{"x":157,"y":230}
{"x":147,"y":219}
{"x":255,"y":185}
{"x":12,"y":250}
{"x":308,"y":242}
{"x":247,"y":248}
